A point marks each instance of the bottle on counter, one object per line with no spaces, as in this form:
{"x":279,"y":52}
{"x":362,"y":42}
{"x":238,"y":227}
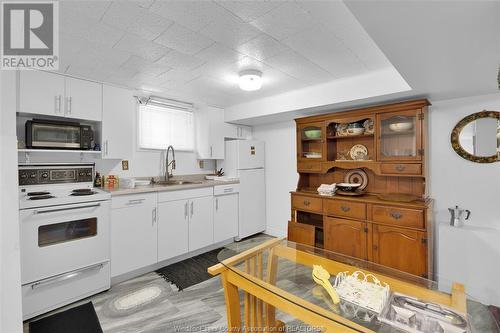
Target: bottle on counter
{"x":97,"y":180}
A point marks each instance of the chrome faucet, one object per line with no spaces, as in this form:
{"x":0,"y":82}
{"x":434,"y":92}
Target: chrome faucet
{"x":171,"y":163}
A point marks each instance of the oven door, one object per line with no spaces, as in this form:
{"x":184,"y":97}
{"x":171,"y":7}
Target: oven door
{"x":55,"y":136}
{"x":60,"y":239}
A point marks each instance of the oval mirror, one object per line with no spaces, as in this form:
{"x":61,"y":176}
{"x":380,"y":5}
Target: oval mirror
{"x":477,"y":137}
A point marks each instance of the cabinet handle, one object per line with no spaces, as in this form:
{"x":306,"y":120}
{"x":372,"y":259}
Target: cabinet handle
{"x":345,"y":209}
{"x":106,"y":148}
{"x":192,"y":209}
{"x":216,"y":204}
{"x":153,"y":218}
{"x":135,"y":201}
{"x":396,"y":215}
{"x":400,"y":168}
{"x":211,"y":151}
{"x":69,"y":105}
{"x":307,"y":202}
{"x":57,"y":104}
{"x":238,"y":131}
{"x":186,"y":210}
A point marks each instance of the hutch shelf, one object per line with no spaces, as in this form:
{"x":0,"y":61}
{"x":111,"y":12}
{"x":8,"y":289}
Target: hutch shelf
{"x":391,"y":223}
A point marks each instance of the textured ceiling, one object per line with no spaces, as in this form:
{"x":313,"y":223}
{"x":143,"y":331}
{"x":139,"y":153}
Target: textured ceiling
{"x":193,"y":50}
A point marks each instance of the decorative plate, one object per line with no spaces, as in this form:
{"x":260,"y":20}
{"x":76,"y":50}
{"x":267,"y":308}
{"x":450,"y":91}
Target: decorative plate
{"x":368,"y":125}
{"x":359,"y":152}
{"x":357,"y":176}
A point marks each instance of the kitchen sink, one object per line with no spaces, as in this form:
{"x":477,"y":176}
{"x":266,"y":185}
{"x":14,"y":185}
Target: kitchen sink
{"x":176,"y":182}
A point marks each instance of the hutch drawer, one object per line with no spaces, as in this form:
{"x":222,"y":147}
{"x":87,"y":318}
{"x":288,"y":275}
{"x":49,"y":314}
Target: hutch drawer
{"x":356,"y":210}
{"x":413,"y":218}
{"x":401,"y":168}
{"x":309,"y":167}
{"x":306,"y":203}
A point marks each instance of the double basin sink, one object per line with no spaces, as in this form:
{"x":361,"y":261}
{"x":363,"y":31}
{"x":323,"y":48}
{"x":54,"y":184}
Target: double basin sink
{"x":175,"y":182}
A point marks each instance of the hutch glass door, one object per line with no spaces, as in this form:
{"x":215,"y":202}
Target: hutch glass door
{"x":311,"y":138}
{"x":400,"y":136}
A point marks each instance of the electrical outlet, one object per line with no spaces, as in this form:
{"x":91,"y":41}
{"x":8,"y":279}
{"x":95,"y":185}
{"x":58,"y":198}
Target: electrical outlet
{"x":125,"y":165}
{"x":201,"y":164}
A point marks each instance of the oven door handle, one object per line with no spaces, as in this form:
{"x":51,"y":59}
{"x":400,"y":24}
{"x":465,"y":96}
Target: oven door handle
{"x":64,"y":209}
{"x":66,"y":276}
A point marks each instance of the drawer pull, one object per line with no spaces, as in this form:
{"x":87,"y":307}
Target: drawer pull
{"x":400,"y":168}
{"x":396,"y":215}
{"x":345,"y":209}
{"x":307,"y":202}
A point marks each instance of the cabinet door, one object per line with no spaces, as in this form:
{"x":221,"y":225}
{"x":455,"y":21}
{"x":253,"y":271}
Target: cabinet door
{"x":173,"y":225}
{"x":225,"y":217}
{"x":133,"y":236}
{"x":346,"y":237}
{"x":210,"y":133}
{"x":311,"y":142}
{"x":402,"y":249}
{"x":400,"y":136}
{"x":301,"y":233}
{"x":117,"y":123}
{"x":201,"y":223}
{"x":83,"y":99}
{"x":41,"y":93}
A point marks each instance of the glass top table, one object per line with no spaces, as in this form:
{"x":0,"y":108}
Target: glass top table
{"x":276,"y":275}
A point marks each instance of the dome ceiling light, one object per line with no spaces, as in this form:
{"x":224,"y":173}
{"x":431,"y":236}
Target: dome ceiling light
{"x":250,"y":80}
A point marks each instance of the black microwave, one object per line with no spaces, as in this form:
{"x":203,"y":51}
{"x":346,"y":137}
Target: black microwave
{"x":48,"y":134}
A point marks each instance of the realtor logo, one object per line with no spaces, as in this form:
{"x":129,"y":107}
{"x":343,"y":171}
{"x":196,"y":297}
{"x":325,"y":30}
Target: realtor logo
{"x":30,"y":35}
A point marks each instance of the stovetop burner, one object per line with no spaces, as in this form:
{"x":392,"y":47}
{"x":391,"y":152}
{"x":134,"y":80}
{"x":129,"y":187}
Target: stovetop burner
{"x":31,"y":194}
{"x":41,"y":197}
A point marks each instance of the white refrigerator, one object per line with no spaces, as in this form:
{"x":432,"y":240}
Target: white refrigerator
{"x":245,"y":160}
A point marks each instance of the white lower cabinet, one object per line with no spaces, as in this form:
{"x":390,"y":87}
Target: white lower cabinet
{"x":173,"y":226}
{"x":133,"y":232}
{"x":201,"y":223}
{"x":225,"y":204}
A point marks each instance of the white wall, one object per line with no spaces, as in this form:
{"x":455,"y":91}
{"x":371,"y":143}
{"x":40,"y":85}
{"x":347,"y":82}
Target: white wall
{"x":281,"y":174}
{"x":10,"y":271}
{"x":455,"y":181}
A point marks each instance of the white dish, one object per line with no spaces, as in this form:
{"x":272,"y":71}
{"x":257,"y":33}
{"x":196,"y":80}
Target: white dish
{"x":142,"y":182}
{"x":355,"y":131}
{"x":312,"y":155}
{"x":401,"y":127}
{"x":358,"y":152}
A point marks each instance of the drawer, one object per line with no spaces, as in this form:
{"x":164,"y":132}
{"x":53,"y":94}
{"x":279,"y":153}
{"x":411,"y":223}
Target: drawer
{"x":301,"y":233}
{"x":226,"y":189}
{"x":309,"y":167}
{"x":406,"y":217}
{"x":401,"y":168}
{"x":356,"y":210}
{"x":130,"y":200}
{"x":311,"y":204}
{"x":185,"y":194}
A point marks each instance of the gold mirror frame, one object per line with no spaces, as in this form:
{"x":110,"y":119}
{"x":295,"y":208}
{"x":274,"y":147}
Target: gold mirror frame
{"x":455,"y":135}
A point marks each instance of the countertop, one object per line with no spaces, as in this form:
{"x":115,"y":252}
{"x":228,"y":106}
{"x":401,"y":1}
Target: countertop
{"x":163,"y":188}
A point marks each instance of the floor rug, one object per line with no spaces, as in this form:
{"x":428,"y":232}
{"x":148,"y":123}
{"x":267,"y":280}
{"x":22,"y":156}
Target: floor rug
{"x":80,"y":319}
{"x":191,"y":271}
{"x":495,"y":311}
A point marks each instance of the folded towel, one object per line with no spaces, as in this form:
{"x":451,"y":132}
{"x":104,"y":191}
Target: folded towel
{"x":327,"y":189}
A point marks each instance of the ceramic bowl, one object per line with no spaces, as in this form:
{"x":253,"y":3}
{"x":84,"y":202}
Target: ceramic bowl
{"x":348,"y":187}
{"x":401,"y":127}
{"x":312,"y":134}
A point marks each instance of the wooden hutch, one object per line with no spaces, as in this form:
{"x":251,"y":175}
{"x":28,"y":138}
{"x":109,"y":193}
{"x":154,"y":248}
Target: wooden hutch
{"x":391,"y":224}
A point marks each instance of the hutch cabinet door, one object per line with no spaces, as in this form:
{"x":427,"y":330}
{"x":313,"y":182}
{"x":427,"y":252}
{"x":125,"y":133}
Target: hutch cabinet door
{"x":400,"y":136}
{"x":311,"y":142}
{"x":346,"y":237}
{"x":301,"y":233}
{"x":401,"y":249}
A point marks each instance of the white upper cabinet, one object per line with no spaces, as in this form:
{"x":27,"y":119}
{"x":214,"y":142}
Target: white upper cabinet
{"x":118,"y":112}
{"x":57,"y":95}
{"x":83,"y":99}
{"x":41,"y":93}
{"x":210,"y":133}
{"x":233,"y":131}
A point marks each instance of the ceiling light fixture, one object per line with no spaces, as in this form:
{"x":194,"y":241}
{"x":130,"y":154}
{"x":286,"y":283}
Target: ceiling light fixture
{"x":250,"y":80}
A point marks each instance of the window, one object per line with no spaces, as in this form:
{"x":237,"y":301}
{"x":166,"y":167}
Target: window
{"x":161,"y":125}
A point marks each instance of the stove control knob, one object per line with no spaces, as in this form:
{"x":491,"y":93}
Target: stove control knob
{"x":23,"y":175}
{"x":45,"y":175}
{"x":33,"y":175}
